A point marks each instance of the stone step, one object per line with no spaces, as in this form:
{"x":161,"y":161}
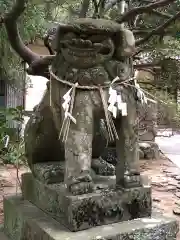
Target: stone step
{"x":23,"y":220}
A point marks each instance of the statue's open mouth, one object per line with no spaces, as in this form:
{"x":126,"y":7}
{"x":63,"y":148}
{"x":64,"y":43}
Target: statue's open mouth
{"x":85,"y":48}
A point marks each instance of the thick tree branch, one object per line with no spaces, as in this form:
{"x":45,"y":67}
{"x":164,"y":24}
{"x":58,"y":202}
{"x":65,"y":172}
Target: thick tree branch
{"x":147,"y":31}
{"x":16,"y":42}
{"x":161,"y":14}
{"x":38,"y":65}
{"x":158,"y":29}
{"x":146,"y":65}
{"x":150,"y":70}
{"x":143,"y":9}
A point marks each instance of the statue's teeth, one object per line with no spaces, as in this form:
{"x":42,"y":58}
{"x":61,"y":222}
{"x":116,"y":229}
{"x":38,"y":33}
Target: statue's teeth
{"x":88,"y":43}
{"x":80,"y":53}
{"x":81,"y":41}
{"x":97,"y":45}
{"x":74,"y":41}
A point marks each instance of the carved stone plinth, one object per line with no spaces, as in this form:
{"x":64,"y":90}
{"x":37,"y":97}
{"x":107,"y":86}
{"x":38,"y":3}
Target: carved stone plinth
{"x":104,"y":206}
{"x":24,"y":221}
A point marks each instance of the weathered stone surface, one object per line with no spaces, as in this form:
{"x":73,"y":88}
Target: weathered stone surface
{"x":105,"y":205}
{"x":24,"y":221}
{"x":109,"y":154}
{"x":50,"y":136}
{"x":150,"y":149}
{"x":49,"y":172}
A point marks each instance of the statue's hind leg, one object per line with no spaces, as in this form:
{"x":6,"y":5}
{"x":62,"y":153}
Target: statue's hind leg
{"x":43,"y":149}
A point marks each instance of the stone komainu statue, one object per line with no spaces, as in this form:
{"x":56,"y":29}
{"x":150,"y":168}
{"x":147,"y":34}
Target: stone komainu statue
{"x":90,"y":53}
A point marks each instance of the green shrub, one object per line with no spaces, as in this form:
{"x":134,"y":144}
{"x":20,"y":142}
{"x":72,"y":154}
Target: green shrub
{"x":11,"y":143}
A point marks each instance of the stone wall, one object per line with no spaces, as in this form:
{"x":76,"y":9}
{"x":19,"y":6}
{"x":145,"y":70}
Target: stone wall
{"x":148,"y":121}
{"x":148,"y":149}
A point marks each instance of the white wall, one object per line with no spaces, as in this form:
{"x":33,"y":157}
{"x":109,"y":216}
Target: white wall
{"x":36,"y":86}
{"x":34,"y":91}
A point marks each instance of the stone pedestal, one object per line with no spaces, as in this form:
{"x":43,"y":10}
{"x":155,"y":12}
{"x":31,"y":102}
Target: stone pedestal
{"x":49,"y":212}
{"x":105,"y":205}
{"x":24,"y":221}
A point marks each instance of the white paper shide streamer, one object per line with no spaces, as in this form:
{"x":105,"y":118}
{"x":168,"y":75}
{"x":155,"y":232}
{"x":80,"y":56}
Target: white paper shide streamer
{"x":115,"y":102}
{"x":66,"y":105}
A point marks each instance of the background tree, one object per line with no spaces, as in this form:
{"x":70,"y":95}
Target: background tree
{"x":11,"y":67}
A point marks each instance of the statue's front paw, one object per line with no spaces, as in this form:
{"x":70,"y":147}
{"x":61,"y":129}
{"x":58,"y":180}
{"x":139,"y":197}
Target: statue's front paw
{"x":102,"y":167}
{"x":49,"y":173}
{"x":55,"y":175}
{"x":81,"y":184}
{"x":81,"y":188}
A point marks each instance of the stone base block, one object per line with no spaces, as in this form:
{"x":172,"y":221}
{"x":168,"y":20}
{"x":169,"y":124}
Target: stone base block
{"x":104,"y":206}
{"x":24,"y":221}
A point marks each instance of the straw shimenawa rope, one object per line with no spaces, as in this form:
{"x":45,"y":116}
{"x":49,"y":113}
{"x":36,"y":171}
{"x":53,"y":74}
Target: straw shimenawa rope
{"x":111,"y":130}
{"x":66,"y":121}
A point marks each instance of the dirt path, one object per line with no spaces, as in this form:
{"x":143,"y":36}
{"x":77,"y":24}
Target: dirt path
{"x":8,"y":184}
{"x":164,"y":175}
{"x":165,"y":181}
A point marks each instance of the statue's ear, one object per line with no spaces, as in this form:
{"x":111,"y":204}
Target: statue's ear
{"x":125,"y":47}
